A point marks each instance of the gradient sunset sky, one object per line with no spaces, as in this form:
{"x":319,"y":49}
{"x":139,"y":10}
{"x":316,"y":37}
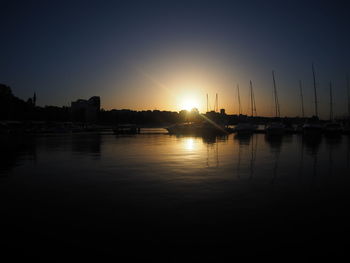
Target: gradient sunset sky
{"x":155,"y":54}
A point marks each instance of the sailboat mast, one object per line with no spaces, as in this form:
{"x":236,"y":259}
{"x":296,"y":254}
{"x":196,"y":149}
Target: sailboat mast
{"x":315,"y":92}
{"x":330,"y":102}
{"x":239,"y":101}
{"x":254,"y":105}
{"x":277,"y":107}
{"x":251,"y":98}
{"x":302,"y":99}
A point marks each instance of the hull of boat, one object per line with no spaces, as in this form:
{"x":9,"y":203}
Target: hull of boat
{"x":197,"y":130}
{"x":275,"y":131}
{"x":312,"y":128}
{"x":126,"y":130}
{"x":245,"y":128}
{"x":333,"y":128}
{"x":312,"y":132}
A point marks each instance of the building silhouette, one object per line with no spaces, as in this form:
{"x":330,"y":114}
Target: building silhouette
{"x":86,"y":110}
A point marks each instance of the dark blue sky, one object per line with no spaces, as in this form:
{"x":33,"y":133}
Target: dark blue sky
{"x":152,"y":54}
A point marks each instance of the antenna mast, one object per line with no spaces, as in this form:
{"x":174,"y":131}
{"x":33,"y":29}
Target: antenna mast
{"x":239,"y":101}
{"x":315,"y":92}
{"x":302,"y":99}
{"x":277,"y":106}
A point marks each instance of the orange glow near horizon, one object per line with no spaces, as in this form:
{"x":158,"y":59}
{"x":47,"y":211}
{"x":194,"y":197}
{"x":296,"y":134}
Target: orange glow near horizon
{"x":188,"y":104}
{"x":186,"y":99}
{"x":175,"y":83}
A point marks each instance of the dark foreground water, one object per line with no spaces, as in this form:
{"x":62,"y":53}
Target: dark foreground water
{"x":160,"y":197}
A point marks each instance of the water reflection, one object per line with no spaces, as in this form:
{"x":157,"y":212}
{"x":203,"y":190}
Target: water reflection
{"x":254,"y":147}
{"x":203,"y":188}
{"x":194,"y":144}
{"x":87,"y":143}
{"x":18,"y":149}
{"x":238,"y":154}
{"x":246,"y":142}
{"x":207,"y":139}
{"x":189,"y":144}
{"x":275,"y":142}
{"x":333,"y":141}
{"x":312,"y":143}
{"x":238,"y":168}
{"x":301,"y":153}
{"x":213,"y":155}
{"x":13,"y":149}
{"x":243,"y":139}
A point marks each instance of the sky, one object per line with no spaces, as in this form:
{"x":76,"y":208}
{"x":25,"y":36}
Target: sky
{"x":147,"y":55}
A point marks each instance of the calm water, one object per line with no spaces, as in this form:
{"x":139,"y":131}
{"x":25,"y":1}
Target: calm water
{"x":100,"y":194}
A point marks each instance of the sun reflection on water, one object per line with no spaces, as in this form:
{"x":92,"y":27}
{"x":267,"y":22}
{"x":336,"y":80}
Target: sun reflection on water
{"x":189,"y":144}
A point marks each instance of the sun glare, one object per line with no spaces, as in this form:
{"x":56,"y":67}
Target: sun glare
{"x":189,"y":104}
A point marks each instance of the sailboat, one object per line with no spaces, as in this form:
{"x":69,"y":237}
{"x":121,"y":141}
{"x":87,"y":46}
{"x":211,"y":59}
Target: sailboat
{"x":275,"y":128}
{"x":332,"y":127}
{"x":247,"y":127}
{"x":313,"y":126}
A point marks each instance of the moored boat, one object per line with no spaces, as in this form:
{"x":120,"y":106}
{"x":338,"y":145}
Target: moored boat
{"x":126,"y":129}
{"x":275,"y":128}
{"x":333,"y":128}
{"x":312,"y":128}
{"x":247,"y":127}
{"x":203,"y":128}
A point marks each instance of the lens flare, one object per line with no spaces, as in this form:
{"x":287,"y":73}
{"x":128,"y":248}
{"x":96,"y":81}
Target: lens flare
{"x":189,"y":104}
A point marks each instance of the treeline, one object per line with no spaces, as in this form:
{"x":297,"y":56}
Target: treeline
{"x":149,"y":117}
{"x":138,"y":117}
{"x":13,"y":108}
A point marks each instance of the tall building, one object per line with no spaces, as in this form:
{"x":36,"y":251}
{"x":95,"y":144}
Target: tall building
{"x":86,"y":110}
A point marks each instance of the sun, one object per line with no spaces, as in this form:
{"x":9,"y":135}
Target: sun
{"x":188,"y":103}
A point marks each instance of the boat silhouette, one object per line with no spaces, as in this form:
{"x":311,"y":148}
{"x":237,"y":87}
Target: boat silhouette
{"x":313,"y":126}
{"x":199,"y":128}
{"x":276,"y":127}
{"x":247,"y":127}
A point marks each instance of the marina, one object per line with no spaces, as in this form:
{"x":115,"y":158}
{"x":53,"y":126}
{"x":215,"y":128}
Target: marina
{"x":174,"y":131}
